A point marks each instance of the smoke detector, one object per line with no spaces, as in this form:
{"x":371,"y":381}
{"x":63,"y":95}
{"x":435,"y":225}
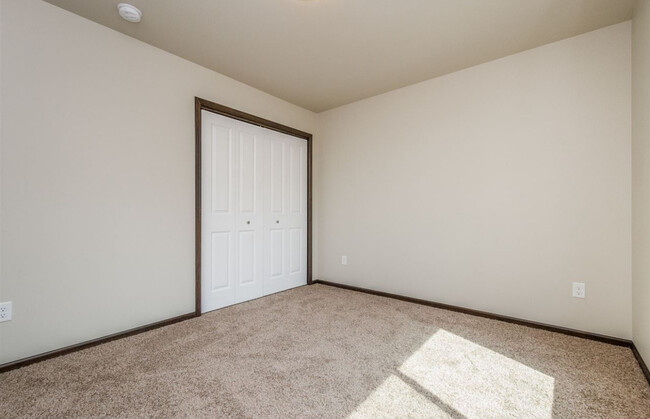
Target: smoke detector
{"x":129,"y":13}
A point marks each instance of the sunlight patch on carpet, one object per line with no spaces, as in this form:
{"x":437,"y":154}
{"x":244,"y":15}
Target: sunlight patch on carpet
{"x":477,"y":382}
{"x":394,"y":399}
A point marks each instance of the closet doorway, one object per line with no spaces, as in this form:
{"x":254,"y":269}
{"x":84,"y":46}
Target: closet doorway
{"x":253,"y":207}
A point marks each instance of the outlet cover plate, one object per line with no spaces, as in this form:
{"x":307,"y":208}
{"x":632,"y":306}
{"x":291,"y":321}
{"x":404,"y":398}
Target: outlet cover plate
{"x":579,"y":289}
{"x":5,"y":311}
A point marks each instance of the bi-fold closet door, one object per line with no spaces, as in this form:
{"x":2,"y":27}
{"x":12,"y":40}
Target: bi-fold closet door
{"x":253,"y":211}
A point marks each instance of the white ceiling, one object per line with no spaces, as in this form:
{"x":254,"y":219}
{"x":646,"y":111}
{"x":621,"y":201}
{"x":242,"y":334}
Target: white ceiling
{"x":320,"y":54}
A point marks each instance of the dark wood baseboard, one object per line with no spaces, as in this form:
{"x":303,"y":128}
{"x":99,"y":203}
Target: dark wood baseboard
{"x":529,"y":323}
{"x":558,"y":329}
{"x":585,"y":335}
{"x":90,"y":343}
{"x":644,"y":366}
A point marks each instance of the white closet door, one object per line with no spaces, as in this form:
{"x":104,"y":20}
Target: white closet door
{"x":232,"y":164}
{"x":297,"y":212}
{"x":218,"y":212}
{"x":253,"y":211}
{"x":286,"y":213}
{"x":250,"y":213}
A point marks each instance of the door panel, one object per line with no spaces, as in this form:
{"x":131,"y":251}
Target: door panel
{"x":276,"y":250}
{"x":295,"y":253}
{"x":295,"y":178}
{"x":246,"y":257}
{"x":247,"y":172}
{"x":220,"y":168}
{"x":277,"y":176}
{"x":220,"y":263}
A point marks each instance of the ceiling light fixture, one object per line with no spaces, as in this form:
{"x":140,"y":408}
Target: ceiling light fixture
{"x":129,"y":13}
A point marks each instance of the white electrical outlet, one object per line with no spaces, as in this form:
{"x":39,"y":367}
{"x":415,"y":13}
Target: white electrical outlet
{"x":579,"y":289}
{"x":5,"y":311}
{"x":344,"y":260}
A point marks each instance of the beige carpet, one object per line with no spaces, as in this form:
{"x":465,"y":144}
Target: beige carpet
{"x":318,"y":351}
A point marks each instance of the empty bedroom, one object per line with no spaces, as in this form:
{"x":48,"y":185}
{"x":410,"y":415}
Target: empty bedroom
{"x":325,"y":209}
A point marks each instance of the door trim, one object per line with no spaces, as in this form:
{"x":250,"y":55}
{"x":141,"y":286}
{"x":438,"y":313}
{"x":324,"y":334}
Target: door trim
{"x":206,"y":105}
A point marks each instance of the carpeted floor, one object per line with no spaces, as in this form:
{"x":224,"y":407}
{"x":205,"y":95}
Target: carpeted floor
{"x":318,"y":351}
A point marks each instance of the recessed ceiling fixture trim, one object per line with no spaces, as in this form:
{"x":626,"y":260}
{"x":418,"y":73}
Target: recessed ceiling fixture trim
{"x":129,"y":13}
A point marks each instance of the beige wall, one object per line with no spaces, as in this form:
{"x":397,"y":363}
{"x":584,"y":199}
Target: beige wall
{"x":98,"y":176}
{"x":641,"y":177}
{"x":492,"y":188}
